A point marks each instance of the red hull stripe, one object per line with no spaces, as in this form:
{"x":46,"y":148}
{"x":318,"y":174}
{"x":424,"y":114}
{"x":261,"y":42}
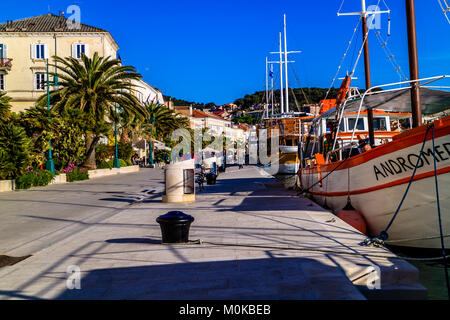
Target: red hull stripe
{"x":383,"y":186}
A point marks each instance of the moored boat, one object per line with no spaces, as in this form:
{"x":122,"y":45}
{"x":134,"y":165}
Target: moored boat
{"x":375,"y":179}
{"x":397,"y":178}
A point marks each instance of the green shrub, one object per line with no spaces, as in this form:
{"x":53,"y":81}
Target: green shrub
{"x":103,"y":152}
{"x":123,"y":163}
{"x":110,"y":164}
{"x":34,"y":178}
{"x":77,"y":174}
{"x":124,"y":150}
{"x":105,"y":165}
{"x":161,"y":155}
{"x":14,"y":151}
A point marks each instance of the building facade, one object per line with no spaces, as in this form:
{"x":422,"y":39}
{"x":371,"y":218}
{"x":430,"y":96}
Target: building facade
{"x":26,"y":44}
{"x":146,"y":93}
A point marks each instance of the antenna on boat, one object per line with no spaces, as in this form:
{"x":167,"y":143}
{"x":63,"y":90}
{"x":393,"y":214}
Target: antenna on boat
{"x":364,"y":14}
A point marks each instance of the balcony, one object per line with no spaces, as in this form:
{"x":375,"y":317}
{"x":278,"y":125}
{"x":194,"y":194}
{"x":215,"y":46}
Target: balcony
{"x":5,"y":63}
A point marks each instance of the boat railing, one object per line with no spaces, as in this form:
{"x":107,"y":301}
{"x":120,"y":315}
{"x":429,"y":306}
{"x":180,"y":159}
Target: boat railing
{"x":370,"y":91}
{"x":339,"y":150}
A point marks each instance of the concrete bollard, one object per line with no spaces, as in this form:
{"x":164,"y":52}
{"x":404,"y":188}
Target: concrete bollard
{"x":179,"y":182}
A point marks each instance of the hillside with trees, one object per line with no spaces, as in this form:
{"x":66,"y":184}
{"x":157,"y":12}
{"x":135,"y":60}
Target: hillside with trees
{"x":182,"y":102}
{"x":303,"y":96}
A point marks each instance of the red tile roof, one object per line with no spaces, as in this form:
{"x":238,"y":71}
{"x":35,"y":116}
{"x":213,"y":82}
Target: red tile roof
{"x":201,"y":114}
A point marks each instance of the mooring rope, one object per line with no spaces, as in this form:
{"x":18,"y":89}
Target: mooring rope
{"x":379,"y":240}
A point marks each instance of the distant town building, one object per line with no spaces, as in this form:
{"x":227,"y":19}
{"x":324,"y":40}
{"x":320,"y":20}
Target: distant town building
{"x":311,"y":108}
{"x":146,"y":93}
{"x":217,"y":125}
{"x":25,"y":45}
{"x":183,"y":110}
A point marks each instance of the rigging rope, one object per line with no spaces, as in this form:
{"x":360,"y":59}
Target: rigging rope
{"x":343,"y":57}
{"x":439,"y":215}
{"x":391,"y":57}
{"x":298,"y":82}
{"x":352,"y":253}
{"x":379,"y":240}
{"x":295,"y":100}
{"x":445,"y":8}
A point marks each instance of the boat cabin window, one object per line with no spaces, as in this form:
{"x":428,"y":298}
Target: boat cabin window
{"x":379,"y":124}
{"x":329,"y":125}
{"x":351,"y":124}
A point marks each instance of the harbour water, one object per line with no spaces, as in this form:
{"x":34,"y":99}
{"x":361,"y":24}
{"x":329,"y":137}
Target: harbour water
{"x":432,"y":273}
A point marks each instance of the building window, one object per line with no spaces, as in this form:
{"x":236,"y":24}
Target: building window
{"x":2,"y":81}
{"x":3,"y":51}
{"x":39,"y":81}
{"x":39,"y":51}
{"x":78,"y":49}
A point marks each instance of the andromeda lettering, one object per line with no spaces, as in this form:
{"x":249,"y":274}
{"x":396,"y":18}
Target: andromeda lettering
{"x":406,"y":163}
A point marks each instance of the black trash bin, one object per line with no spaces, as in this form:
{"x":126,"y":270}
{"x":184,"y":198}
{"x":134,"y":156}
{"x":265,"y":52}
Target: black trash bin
{"x":211,"y":178}
{"x":175,"y":226}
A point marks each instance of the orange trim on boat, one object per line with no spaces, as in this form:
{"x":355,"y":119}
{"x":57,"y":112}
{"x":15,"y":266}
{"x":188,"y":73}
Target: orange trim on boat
{"x":402,"y":141}
{"x":383,"y":186}
{"x":377,"y":133}
{"x":379,"y":112}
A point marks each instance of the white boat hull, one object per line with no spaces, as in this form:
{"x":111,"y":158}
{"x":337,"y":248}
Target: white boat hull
{"x":376,"y":192}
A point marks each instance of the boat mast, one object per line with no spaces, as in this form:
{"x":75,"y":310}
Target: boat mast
{"x":365,"y":32}
{"x":364,"y":14}
{"x":271,"y":86}
{"x":266,"y":108}
{"x":281,"y":79}
{"x":286,"y":66}
{"x":413,"y":64}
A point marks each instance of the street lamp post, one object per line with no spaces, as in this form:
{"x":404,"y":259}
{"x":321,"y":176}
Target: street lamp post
{"x":116,"y":152}
{"x":50,"y":165}
{"x":150,"y":144}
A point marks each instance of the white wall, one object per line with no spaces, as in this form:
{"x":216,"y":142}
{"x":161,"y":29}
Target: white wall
{"x":146,"y":93}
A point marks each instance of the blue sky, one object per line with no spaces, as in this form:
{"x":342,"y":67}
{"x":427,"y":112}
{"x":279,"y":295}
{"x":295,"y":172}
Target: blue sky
{"x":209,"y":50}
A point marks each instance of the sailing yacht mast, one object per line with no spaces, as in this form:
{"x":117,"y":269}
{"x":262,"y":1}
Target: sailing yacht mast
{"x":364,"y":14}
{"x":284,"y":87}
{"x":365,"y":32}
{"x":266,"y":108}
{"x":271,"y":86}
{"x":286,"y":66}
{"x":413,"y":63}
{"x":281,"y":78}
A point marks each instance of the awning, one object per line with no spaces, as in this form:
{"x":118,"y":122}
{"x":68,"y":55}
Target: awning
{"x":157,"y":145}
{"x":433,"y":102}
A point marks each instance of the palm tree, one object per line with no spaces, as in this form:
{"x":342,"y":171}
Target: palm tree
{"x":5,"y":107}
{"x":165,"y":121}
{"x":14,"y":143}
{"x":96,"y":86}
